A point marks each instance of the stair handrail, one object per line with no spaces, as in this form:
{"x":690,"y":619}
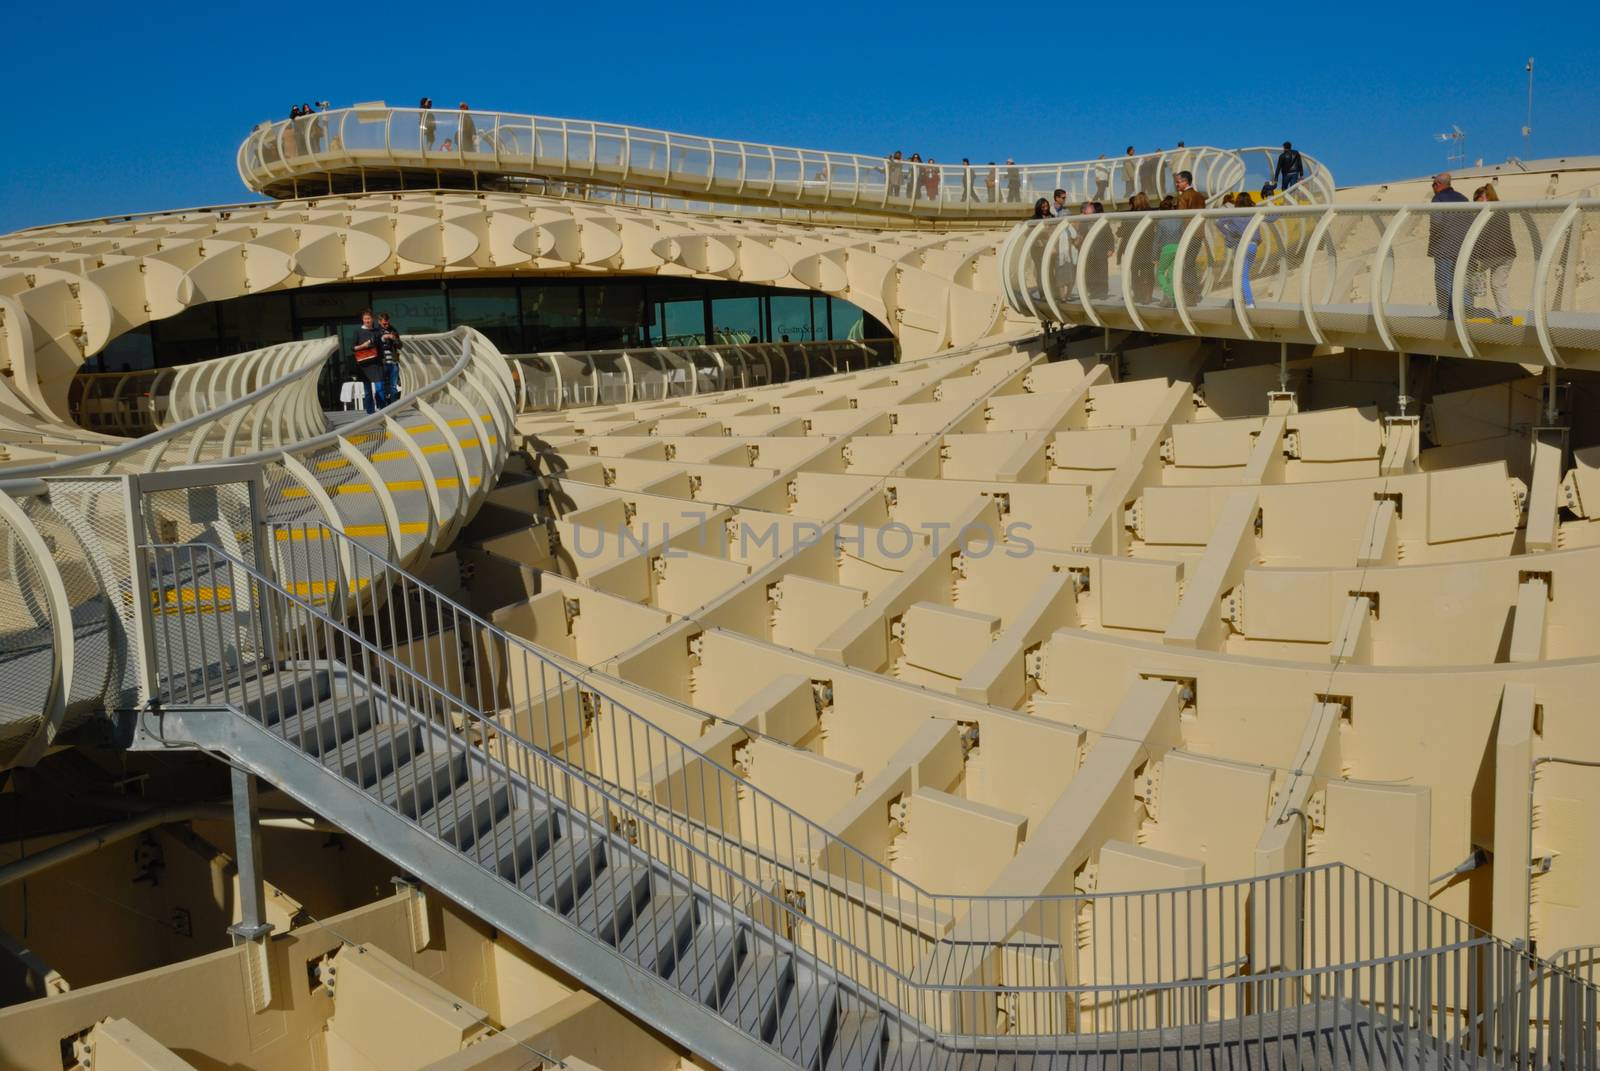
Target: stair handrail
{"x":378,"y":573}
{"x":917,"y":1000}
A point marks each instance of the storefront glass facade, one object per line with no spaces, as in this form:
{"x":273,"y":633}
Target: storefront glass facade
{"x":520,"y":316}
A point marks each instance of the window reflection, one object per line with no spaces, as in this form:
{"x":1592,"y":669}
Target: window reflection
{"x":519,"y":317}
{"x":490,"y":309}
{"x":552,"y":318}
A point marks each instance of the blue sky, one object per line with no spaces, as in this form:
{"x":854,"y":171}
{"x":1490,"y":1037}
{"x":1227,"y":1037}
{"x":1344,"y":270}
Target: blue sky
{"x":128,"y":108}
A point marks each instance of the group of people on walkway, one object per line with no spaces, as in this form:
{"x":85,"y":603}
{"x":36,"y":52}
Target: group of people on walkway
{"x":921,"y":180}
{"x":466,"y":129}
{"x":1492,"y":253}
{"x":376,"y":349}
{"x":307,"y":130}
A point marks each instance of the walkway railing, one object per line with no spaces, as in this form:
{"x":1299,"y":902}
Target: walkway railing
{"x":142,"y":401}
{"x":1501,"y":281}
{"x":562,"y":380}
{"x":400,"y":482}
{"x":378,"y":145}
{"x":1308,"y":962}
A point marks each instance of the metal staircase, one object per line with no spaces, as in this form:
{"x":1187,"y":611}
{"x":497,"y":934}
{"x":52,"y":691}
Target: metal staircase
{"x":510,"y":783}
{"x":420,"y":776}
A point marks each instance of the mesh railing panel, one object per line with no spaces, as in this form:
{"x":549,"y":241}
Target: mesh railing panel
{"x":1494,"y":280}
{"x":95,"y":626}
{"x":26,"y":642}
{"x":1572,"y":286}
{"x":96,"y":511}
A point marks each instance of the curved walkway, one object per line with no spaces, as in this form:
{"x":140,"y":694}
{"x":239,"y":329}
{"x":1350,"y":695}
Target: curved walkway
{"x":375,"y":147}
{"x":1503,"y":281}
{"x":399,"y":483}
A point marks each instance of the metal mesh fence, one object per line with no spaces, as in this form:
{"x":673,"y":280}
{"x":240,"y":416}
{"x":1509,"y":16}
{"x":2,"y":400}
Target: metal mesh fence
{"x":26,"y":643}
{"x":96,"y":511}
{"x":1489,"y":279}
{"x":95,"y":626}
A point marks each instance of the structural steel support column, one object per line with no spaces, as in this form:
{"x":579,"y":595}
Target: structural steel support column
{"x":252,"y":922}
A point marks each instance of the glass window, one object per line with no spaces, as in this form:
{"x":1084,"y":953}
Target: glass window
{"x":736,"y":319}
{"x":791,"y":316}
{"x":616,"y":314}
{"x":491,"y":309}
{"x":256,"y":321}
{"x":334,"y":304}
{"x":189,"y":336}
{"x":127,"y":352}
{"x":414,"y":311}
{"x":848,"y":321}
{"x":552,"y":318}
{"x":677,"y":312}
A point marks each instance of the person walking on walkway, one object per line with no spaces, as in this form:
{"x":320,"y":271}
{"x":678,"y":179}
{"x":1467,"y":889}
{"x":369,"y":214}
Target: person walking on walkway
{"x":1291,"y":167}
{"x":368,"y":353}
{"x":389,"y":346}
{"x":1493,"y":253}
{"x":1188,"y":196}
{"x":1041,"y":209}
{"x":1102,"y":179}
{"x":1446,"y":232}
{"x":429,"y":126}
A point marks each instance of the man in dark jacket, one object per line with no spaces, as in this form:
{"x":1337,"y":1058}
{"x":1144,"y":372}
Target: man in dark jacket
{"x":389,"y":345}
{"x":367,"y":349}
{"x":1446,"y":232}
{"x":1291,"y":168}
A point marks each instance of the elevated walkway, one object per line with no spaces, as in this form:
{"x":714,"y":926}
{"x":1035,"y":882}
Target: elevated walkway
{"x":1500,"y":281}
{"x":372,"y":147}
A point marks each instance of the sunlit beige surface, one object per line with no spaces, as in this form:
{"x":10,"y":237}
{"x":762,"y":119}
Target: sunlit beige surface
{"x":1023,"y":615}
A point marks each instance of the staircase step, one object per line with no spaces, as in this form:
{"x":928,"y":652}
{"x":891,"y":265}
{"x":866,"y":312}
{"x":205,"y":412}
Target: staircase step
{"x":282,"y":693}
{"x":372,"y":755}
{"x":417,"y":785}
{"x":472,"y":807}
{"x":661,"y":929}
{"x":566,"y":871}
{"x":523,"y":835}
{"x":858,"y":1042}
{"x":808,"y":1019}
{"x":317,"y":728}
{"x":759,"y":988}
{"x":705,"y":968}
{"x":607,"y":909}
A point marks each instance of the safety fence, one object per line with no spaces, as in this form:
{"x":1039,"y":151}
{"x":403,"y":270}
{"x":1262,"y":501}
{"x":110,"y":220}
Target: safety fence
{"x":139,"y":402}
{"x":400,"y":481}
{"x":563,"y":380}
{"x":1315,"y":964}
{"x":380,"y":145}
{"x":1501,"y":280}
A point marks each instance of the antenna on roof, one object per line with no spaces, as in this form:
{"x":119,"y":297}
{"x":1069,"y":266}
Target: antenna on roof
{"x":1457,"y":140}
{"x":1527,"y":129}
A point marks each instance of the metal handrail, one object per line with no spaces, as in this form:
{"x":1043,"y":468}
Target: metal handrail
{"x":104,"y":460}
{"x":287,"y":631}
{"x":505,"y":144}
{"x":372,"y":572}
{"x":1356,"y":274}
{"x":559,"y":393}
